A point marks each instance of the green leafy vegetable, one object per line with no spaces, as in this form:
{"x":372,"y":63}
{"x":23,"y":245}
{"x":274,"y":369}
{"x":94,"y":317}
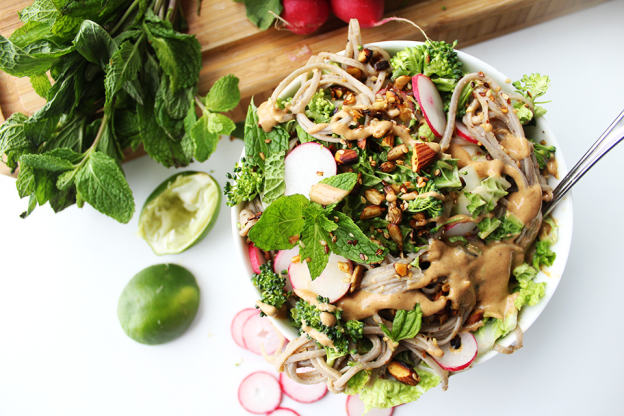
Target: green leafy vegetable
{"x":258,"y":12}
{"x":531,"y":87}
{"x":406,"y":324}
{"x":315,"y":237}
{"x":543,"y":255}
{"x":528,"y":292}
{"x":122,"y":77}
{"x":352,"y":243}
{"x":543,"y":154}
{"x":344,"y":181}
{"x":279,"y":223}
{"x":320,"y":109}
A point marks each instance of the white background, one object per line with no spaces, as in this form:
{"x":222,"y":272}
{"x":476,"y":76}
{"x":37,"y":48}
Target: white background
{"x":63,"y":352}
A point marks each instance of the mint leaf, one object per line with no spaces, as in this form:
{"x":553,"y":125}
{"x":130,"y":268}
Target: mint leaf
{"x":156,"y":143}
{"x":101,"y":183}
{"x":22,"y":63}
{"x":123,"y":67}
{"x":224,"y":94}
{"x":344,"y":181}
{"x":279,"y":223}
{"x":219,"y":124}
{"x":352,"y":243}
{"x":12,"y":134}
{"x":204,"y":140}
{"x":46,"y":162}
{"x":41,"y":84}
{"x":406,"y":324}
{"x":256,"y":147}
{"x":25,"y":181}
{"x":95,"y":44}
{"x":63,"y":199}
{"x":274,"y":183}
{"x":316,"y":230}
{"x":303,"y":135}
{"x":66,"y":25}
{"x":40,"y":11}
{"x":258,"y":12}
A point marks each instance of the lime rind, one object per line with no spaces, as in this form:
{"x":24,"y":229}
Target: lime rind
{"x":180,"y":212}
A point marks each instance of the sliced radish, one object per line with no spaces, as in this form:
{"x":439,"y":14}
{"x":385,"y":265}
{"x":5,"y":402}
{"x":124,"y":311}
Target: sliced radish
{"x":237,"y":325}
{"x":355,"y":407}
{"x":255,"y":257}
{"x":283,"y":411}
{"x":460,"y":229}
{"x":302,"y":393}
{"x":307,"y":165}
{"x":333,"y":283}
{"x":461,"y":358}
{"x":430,"y":103}
{"x":259,"y":332}
{"x":464,"y":133}
{"x":283,"y":260}
{"x":260,"y":393}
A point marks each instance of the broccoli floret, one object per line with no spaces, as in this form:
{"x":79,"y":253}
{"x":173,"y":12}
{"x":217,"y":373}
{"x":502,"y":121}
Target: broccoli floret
{"x":532,"y":87}
{"x":431,"y":206}
{"x":271,"y":285}
{"x":320,"y":109}
{"x":543,"y":154}
{"x":281,"y":104}
{"x":340,"y":334}
{"x":247,"y":184}
{"x":437,"y":60}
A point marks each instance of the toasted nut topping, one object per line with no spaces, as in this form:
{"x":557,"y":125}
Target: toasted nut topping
{"x":392,"y":97}
{"x":398,"y":152}
{"x":422,"y":156}
{"x":474,"y":317}
{"x":365,"y":55}
{"x":337,"y":92}
{"x":356,"y":278}
{"x":388,"y":141}
{"x":401,"y":81}
{"x":390,"y":194}
{"x":388,"y":167}
{"x":374,"y":196}
{"x":401,"y":269}
{"x":349,"y":98}
{"x":344,"y":267}
{"x":395,"y":234}
{"x":293,"y":239}
{"x":381,"y":65}
{"x":380,"y":105}
{"x":296,"y":259}
{"x":361,"y":144}
{"x":346,"y":156}
{"x":354,"y":72}
{"x":403,"y":373}
{"x":371,"y":211}
{"x":395,"y":215}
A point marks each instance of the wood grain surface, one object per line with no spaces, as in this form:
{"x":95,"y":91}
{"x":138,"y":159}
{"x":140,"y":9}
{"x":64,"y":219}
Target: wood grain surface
{"x":231,"y":44}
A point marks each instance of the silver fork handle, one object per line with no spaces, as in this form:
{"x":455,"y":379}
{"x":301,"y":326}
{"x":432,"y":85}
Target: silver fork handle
{"x":609,"y":139}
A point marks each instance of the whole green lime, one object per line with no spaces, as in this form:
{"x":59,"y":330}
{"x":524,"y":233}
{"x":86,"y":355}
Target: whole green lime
{"x":180,"y":212}
{"x":158,"y":304}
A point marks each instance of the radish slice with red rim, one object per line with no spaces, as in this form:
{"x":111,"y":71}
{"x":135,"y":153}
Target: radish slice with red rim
{"x":355,"y":407}
{"x":302,"y":393}
{"x":260,"y":393}
{"x":283,"y":411}
{"x":305,"y":166}
{"x":237,"y":325}
{"x":255,"y":258}
{"x":332,"y":283}
{"x":430,"y":103}
{"x":283,"y":260}
{"x":464,"y":133}
{"x":457,"y":359}
{"x":259,"y":332}
{"x":460,"y":229}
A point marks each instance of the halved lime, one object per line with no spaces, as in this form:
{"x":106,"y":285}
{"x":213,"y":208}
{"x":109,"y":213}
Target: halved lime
{"x":158,"y":304}
{"x":180,"y":212}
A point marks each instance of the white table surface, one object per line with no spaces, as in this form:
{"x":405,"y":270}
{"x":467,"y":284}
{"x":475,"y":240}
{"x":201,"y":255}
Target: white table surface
{"x":63,"y":352}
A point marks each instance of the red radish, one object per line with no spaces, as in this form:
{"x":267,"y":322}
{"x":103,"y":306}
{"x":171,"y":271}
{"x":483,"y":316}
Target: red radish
{"x":460,"y":229}
{"x":464,"y":133}
{"x":259,"y":393}
{"x":300,"y":392}
{"x":368,"y":12}
{"x":355,"y":407}
{"x":461,"y":358}
{"x":259,"y":332}
{"x":305,"y":16}
{"x":307,"y":165}
{"x":237,"y":325}
{"x":255,"y":257}
{"x":283,"y":260}
{"x":332,"y":283}
{"x":430,"y":103}
{"x":283,"y":411}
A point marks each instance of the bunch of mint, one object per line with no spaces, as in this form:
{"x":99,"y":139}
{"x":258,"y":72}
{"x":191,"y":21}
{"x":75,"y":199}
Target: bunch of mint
{"x":123,"y":76}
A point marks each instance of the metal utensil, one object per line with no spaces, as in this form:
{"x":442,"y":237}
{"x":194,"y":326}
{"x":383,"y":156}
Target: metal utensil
{"x":609,"y":139}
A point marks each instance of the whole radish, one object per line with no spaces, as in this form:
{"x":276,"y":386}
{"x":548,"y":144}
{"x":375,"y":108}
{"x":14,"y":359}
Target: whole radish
{"x":368,"y":12}
{"x":305,"y":16}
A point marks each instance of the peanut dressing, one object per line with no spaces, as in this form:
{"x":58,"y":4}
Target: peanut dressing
{"x":517,"y":148}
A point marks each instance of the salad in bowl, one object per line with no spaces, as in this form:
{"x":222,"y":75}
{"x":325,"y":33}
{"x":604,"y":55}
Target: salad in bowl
{"x":389,"y":204}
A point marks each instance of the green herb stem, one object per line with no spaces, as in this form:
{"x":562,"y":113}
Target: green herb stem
{"x":199,"y":103}
{"x":125,"y":16}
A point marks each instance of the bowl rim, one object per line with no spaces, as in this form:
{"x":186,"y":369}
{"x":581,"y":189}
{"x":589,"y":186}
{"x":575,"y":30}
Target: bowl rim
{"x":562,"y":214}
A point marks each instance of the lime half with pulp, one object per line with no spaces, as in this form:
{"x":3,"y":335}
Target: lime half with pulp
{"x":158,"y":304}
{"x":180,"y":212}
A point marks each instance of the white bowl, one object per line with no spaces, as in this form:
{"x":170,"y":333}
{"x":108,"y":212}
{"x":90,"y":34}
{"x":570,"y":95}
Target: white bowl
{"x":562,"y":213}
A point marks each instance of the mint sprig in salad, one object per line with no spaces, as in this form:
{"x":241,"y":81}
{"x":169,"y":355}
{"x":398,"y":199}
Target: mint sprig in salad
{"x":400,"y":200}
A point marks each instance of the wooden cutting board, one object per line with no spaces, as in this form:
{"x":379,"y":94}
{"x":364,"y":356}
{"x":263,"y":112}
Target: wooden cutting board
{"x":231,"y":44}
